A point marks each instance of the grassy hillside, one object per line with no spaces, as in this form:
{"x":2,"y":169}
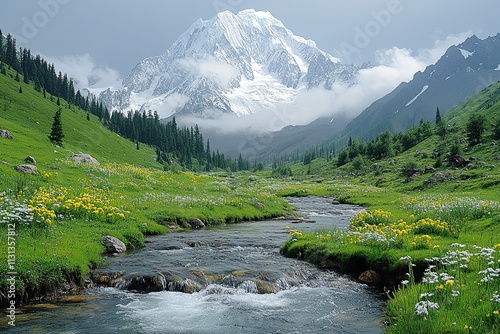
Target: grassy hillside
{"x":437,"y":214}
{"x":60,"y":214}
{"x":29,"y":117}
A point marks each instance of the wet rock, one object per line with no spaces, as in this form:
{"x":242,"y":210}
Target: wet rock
{"x":72,"y":299}
{"x":113,"y":245}
{"x":26,"y":168}
{"x":84,"y":158}
{"x":187,"y":286}
{"x":264,"y":287}
{"x":195,"y":243}
{"x":30,"y":160}
{"x":196,"y":223}
{"x":369,"y":277}
{"x":6,"y":134}
{"x":147,"y":283}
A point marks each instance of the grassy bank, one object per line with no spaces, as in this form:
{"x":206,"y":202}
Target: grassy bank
{"x":431,"y":229}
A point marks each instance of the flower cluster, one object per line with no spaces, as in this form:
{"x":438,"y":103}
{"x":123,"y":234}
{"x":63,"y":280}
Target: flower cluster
{"x":14,"y":211}
{"x":376,"y":217}
{"x":451,"y":209}
{"x":296,"y":234}
{"x":447,"y":279}
{"x":46,"y":204}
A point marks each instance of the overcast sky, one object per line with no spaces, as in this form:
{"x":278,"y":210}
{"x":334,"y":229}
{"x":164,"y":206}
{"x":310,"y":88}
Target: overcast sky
{"x":120,"y":33}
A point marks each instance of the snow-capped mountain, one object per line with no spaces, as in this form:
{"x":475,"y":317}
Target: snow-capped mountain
{"x":240,"y":63}
{"x":461,"y":72}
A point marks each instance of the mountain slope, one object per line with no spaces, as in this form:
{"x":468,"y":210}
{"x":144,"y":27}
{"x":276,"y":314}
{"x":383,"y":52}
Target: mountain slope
{"x":28,"y":116}
{"x":234,"y":63}
{"x":461,"y":72}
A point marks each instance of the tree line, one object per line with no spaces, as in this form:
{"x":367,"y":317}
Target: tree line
{"x":174,"y":145}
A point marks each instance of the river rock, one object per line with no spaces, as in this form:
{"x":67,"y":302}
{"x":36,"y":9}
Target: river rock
{"x":264,"y":287}
{"x":6,"y":134}
{"x":195,"y":243}
{"x":369,"y":277}
{"x":30,"y":160}
{"x":147,"y":283}
{"x":113,"y":245}
{"x":84,"y":158}
{"x":196,"y":223}
{"x":26,"y":168}
{"x":187,"y":286}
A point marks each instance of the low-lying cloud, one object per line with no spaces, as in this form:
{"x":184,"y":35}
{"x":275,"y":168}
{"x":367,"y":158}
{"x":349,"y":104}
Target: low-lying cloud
{"x":86,"y":73}
{"x":394,"y":66}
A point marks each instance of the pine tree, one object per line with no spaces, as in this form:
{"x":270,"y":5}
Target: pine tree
{"x":2,"y":49}
{"x":56,"y":134}
{"x":438,"y":116}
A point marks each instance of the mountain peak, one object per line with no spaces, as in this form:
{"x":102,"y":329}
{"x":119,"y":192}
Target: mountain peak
{"x":240,"y":63}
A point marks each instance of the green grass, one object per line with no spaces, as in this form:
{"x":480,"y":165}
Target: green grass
{"x":68,"y":207}
{"x":468,"y":203}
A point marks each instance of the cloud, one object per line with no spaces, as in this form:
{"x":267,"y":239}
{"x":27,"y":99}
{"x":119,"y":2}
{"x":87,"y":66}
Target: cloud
{"x":433,"y":54}
{"x":208,"y":67}
{"x":86,"y":73}
{"x":394,"y":66}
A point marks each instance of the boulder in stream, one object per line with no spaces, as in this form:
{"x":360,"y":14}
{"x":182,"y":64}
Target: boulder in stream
{"x":370,"y":277}
{"x":113,"y":245}
{"x":196,"y":223}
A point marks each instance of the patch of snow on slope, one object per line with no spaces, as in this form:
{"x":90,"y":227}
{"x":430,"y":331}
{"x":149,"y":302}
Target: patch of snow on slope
{"x":416,"y":97}
{"x":466,"y":53}
{"x":261,"y":93}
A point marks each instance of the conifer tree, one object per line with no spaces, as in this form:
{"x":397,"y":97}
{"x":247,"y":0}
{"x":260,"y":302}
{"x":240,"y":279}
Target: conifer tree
{"x":2,"y":49}
{"x":56,"y":134}
{"x":438,"y":116}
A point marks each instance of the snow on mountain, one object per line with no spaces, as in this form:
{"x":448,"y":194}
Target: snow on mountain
{"x":240,"y":64}
{"x":463,"y":71}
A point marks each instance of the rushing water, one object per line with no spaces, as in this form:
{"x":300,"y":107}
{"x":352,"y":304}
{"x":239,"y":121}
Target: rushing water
{"x":230,"y":265}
